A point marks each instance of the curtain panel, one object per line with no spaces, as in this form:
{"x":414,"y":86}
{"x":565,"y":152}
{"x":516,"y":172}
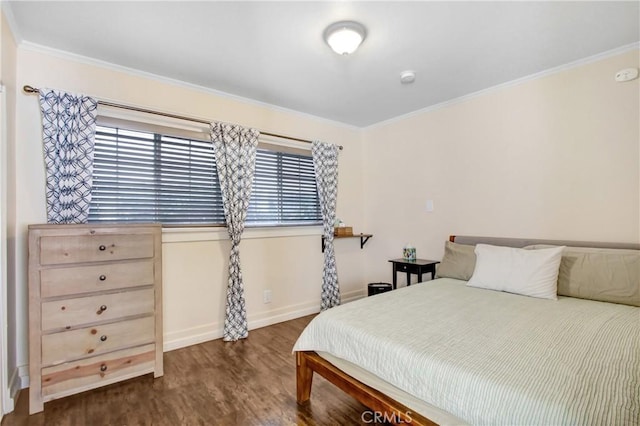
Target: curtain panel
{"x":235,"y":151}
{"x":68,"y":135}
{"x":325,"y":162}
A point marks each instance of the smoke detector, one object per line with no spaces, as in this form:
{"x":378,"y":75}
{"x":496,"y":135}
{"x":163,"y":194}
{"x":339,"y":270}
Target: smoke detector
{"x":407,"y":77}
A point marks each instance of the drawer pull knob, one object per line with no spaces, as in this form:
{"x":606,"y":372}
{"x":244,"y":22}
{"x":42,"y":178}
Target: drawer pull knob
{"x":103,"y":367}
{"x":103,"y":277}
{"x":102,"y":248}
{"x":103,"y":338}
{"x":102,"y":309}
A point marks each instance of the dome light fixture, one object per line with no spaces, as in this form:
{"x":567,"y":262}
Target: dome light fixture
{"x":344,"y":37}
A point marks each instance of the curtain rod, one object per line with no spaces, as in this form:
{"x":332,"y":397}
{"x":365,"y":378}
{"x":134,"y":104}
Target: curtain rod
{"x":30,"y":89}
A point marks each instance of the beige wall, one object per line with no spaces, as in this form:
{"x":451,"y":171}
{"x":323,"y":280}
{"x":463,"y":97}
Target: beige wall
{"x":553,"y":157}
{"x":195,"y":271}
{"x":8,"y":356}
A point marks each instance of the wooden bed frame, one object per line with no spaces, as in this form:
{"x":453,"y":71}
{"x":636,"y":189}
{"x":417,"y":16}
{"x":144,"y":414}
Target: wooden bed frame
{"x":309,"y":362}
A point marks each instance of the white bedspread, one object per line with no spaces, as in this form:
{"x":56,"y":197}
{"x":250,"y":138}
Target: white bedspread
{"x":493,"y":358}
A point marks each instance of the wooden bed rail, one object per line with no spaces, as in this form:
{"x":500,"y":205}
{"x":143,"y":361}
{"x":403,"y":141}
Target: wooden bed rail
{"x":391,"y":410}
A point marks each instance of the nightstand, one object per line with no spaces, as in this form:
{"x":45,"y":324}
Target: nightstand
{"x":418,"y":266}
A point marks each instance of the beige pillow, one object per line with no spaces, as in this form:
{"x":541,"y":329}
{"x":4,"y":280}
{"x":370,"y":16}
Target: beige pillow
{"x":606,"y":275}
{"x":458,"y":262}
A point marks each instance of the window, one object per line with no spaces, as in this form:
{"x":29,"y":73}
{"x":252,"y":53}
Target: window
{"x":284,"y":190}
{"x":142,"y":176}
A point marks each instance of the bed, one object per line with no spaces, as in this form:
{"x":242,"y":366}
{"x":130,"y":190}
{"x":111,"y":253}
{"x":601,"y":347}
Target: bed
{"x":443,"y":352}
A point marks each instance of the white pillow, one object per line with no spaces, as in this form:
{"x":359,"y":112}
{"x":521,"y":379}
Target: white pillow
{"x":527,"y":272}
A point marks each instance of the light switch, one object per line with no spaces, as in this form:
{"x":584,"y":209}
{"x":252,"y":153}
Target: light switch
{"x":429,"y":205}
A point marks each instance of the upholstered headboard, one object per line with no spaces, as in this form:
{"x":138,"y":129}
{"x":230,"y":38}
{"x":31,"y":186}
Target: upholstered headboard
{"x":523,"y":242}
{"x":601,"y":271}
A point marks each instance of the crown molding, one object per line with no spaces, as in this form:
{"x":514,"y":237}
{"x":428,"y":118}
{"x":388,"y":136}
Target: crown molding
{"x":11,"y":20}
{"x":34,"y":47}
{"x":63,"y":54}
{"x":518,"y":81}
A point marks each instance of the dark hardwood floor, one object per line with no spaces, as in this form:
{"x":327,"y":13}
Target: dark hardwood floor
{"x":250,"y":382}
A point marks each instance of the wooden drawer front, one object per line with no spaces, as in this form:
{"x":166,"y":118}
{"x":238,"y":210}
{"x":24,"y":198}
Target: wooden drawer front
{"x":68,"y":345}
{"x":94,"y":248}
{"x":88,"y":279}
{"x":402,"y":267}
{"x":75,"y":312}
{"x":414,"y":269}
{"x":98,"y":370}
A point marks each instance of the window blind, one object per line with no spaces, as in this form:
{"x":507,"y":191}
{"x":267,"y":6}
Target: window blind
{"x":150,"y":177}
{"x":284,"y":190}
{"x":147,"y":177}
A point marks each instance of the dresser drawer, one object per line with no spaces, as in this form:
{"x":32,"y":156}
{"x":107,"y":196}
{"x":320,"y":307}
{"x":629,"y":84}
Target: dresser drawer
{"x":95,"y":307}
{"x":94,"y":248}
{"x":68,"y":313}
{"x":97,"y":371}
{"x":88,"y":279}
{"x":69,"y":345}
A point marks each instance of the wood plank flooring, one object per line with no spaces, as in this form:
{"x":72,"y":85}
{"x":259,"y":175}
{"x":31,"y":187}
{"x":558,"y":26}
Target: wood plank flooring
{"x":250,"y":382}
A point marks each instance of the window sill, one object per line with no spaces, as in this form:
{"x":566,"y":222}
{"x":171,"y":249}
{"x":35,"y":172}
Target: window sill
{"x":182,"y":235}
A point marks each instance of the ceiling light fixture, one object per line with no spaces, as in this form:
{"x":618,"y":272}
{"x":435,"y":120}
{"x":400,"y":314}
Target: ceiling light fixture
{"x":344,"y":37}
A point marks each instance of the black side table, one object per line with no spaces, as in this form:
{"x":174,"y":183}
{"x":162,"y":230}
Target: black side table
{"x":418,"y":266}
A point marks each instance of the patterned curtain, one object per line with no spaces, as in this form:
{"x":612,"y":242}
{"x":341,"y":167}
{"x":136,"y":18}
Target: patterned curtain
{"x":68,"y":134}
{"x":235,"y":150}
{"x":325,"y":162}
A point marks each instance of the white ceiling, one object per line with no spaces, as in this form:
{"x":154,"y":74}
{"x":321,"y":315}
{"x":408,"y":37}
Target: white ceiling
{"x":273,"y":51}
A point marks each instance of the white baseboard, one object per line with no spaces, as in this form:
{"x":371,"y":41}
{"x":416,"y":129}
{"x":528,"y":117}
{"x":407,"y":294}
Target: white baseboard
{"x":353,"y":295}
{"x":23,"y":373}
{"x":9,"y":403}
{"x":9,"y":397}
{"x":204,"y":333}
{"x":200,"y":334}
{"x":18,"y":381}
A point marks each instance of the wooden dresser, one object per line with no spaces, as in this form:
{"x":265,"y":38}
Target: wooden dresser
{"x":95,"y":307}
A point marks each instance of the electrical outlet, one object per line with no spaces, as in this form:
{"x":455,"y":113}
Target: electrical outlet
{"x":266,"y":296}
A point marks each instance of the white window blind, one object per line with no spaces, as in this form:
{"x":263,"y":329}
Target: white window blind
{"x":147,"y":177}
{"x":151,"y":177}
{"x":284,"y":190}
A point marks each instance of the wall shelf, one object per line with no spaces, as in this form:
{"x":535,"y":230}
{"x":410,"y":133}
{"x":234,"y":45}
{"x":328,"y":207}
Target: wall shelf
{"x":363,"y":239}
